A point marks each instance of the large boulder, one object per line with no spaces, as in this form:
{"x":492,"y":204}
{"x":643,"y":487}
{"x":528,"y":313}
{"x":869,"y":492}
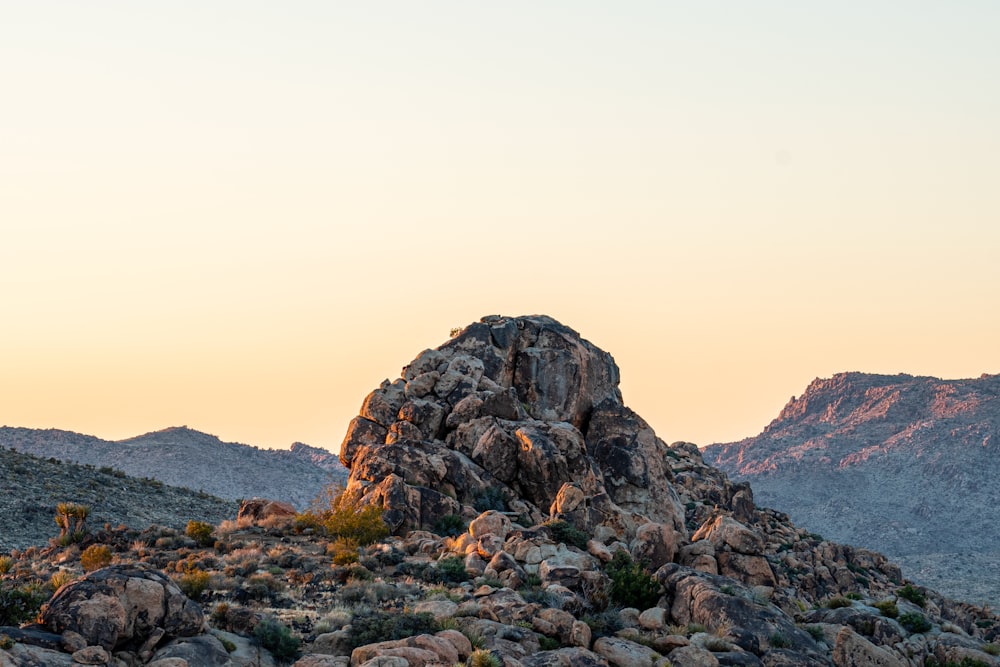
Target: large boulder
{"x":122,"y":607}
{"x":514,"y":414}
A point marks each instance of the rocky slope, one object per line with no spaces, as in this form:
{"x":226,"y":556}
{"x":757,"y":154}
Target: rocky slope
{"x":184,"y":457}
{"x":906,"y":465}
{"x":523,"y":498}
{"x":31,"y":488}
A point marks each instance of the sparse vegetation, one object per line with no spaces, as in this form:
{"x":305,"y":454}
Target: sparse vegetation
{"x":491,"y":498}
{"x":450,"y":524}
{"x":344,"y":551}
{"x":193,"y":583}
{"x":838,"y":603}
{"x":6,"y":562}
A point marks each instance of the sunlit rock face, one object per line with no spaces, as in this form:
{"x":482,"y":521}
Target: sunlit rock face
{"x":513,"y":413}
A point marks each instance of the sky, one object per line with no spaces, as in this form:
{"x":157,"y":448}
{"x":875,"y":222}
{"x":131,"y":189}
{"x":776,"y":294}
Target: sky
{"x":243,"y":216}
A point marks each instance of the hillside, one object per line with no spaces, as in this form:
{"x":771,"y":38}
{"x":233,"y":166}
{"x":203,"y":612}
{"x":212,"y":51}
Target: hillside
{"x":32,"y":487}
{"x":181,"y":456}
{"x":906,"y":465}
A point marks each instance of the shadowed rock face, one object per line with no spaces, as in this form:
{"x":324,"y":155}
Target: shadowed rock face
{"x":520,"y":409}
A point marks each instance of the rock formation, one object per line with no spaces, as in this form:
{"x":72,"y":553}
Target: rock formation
{"x":521,"y":411}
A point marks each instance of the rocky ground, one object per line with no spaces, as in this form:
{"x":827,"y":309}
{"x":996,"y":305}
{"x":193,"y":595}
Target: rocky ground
{"x":534,"y":521}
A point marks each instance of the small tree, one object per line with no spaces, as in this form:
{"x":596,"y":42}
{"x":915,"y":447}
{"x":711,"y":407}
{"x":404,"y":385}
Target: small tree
{"x":339,"y":515}
{"x":71,"y":519}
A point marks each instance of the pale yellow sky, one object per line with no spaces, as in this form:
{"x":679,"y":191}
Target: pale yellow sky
{"x":241,"y":216}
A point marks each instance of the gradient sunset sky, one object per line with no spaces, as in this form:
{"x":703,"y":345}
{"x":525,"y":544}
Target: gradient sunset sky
{"x":242,"y":216}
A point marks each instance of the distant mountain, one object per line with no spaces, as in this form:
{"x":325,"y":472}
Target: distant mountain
{"x":184,"y":457}
{"x":30,"y":489}
{"x":906,"y":465}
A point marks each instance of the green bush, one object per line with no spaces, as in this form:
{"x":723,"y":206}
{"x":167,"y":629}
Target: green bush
{"x":779,"y":640}
{"x":450,"y":524}
{"x":931,"y":661}
{"x":6,"y":643}
{"x":548,"y":643}
{"x":491,"y":498}
{"x":888,"y":608}
{"x":914,"y":622}
{"x":370,"y":626}
{"x":451,"y":570}
{"x":277,"y":638}
{"x":913,"y":594}
{"x":567,"y":533}
{"x":816,"y":632}
{"x":20,"y":604}
{"x":838,"y":603}
{"x":200,"y":532}
{"x":631,"y":584}
{"x":339,"y":516}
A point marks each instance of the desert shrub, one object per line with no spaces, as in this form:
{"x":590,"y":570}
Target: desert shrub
{"x":344,"y":551}
{"x":451,"y":570}
{"x":631,"y":584}
{"x":913,"y":594}
{"x":852,"y":595}
{"x":931,"y":661}
{"x":95,"y":557}
{"x":838,"y":603}
{"x":337,"y":515}
{"x":193,"y":583}
{"x":779,"y":640}
{"x":450,"y":524}
{"x":6,"y":562}
{"x":491,"y":498}
{"x":370,"y":626}
{"x":200,"y":532}
{"x":483,"y":658}
{"x":888,"y":608}
{"x":6,"y":643}
{"x":60,"y":579}
{"x":277,"y":638}
{"x":603,"y":624}
{"x":548,"y":643}
{"x":991,"y":649}
{"x":226,"y":644}
{"x":914,"y":622}
{"x":717,"y":644}
{"x":20,"y":603}
{"x":569,"y":534}
{"x":816,"y":632}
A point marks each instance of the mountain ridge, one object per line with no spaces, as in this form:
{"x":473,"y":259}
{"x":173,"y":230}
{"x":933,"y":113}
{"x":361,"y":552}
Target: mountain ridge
{"x":898,"y":463}
{"x":182,"y":456}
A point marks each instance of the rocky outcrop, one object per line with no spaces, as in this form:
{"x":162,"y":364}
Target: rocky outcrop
{"x":899,"y":464}
{"x":123,"y":607}
{"x":521,"y":413}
